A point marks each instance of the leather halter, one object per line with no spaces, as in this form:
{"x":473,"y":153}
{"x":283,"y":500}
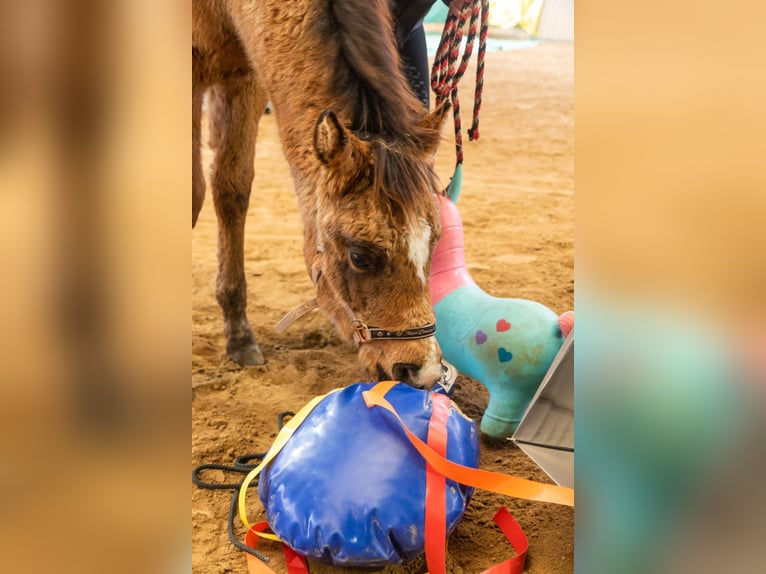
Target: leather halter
{"x":362,"y":333}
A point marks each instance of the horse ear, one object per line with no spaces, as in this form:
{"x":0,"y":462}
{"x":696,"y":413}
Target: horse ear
{"x":330,"y":137}
{"x":431,"y":125}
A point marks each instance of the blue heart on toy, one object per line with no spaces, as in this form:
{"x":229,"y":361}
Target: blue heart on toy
{"x":504,"y":356}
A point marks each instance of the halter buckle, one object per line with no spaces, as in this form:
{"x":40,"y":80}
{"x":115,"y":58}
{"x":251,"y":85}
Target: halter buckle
{"x":361,"y":332}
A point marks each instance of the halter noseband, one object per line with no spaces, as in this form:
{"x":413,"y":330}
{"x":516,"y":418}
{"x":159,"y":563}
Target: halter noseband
{"x":365,"y":334}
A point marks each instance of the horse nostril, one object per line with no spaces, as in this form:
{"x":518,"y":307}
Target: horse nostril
{"x":406,"y":372}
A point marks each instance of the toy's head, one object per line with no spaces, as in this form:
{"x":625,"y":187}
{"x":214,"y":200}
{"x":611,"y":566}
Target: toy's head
{"x":566,"y":323}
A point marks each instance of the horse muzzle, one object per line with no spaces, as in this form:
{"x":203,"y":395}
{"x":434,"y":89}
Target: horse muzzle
{"x":416,"y":362}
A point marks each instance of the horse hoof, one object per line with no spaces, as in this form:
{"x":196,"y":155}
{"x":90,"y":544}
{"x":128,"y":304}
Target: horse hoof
{"x":247,"y":355}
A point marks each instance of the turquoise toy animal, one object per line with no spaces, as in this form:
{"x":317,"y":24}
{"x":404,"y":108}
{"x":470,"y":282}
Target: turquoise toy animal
{"x":505,"y":344}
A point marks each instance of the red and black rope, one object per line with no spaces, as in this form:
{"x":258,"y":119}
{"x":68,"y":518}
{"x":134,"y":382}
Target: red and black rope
{"x":446,"y":73}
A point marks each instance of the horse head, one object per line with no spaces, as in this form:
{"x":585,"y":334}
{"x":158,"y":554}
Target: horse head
{"x":376,"y":227}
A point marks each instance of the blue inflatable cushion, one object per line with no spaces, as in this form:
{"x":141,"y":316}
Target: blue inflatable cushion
{"x":348,"y":488}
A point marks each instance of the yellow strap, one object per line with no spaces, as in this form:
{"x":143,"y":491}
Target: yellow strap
{"x":484,"y":479}
{"x":284,"y":434}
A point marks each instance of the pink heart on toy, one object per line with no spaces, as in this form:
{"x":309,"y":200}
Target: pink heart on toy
{"x":503,"y":325}
{"x":481,"y":337}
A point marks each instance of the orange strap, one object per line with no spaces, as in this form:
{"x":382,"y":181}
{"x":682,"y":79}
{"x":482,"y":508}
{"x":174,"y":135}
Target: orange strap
{"x":296,"y":564}
{"x":436,"y":505}
{"x":436,"y":488}
{"x":484,"y":479}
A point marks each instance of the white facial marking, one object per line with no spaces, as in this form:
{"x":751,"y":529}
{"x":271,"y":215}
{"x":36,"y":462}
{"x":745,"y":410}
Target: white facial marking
{"x":418,"y":243}
{"x":431,"y":370}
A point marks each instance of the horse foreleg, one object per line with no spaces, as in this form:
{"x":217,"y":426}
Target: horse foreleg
{"x":235,"y":108}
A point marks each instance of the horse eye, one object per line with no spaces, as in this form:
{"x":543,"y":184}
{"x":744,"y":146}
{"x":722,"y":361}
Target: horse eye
{"x":360,"y":261}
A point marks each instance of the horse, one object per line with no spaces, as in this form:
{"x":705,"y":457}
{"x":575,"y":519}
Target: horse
{"x":507,"y":345}
{"x":359,"y":145}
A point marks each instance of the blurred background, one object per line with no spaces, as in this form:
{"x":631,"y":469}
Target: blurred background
{"x":669,"y":287}
{"x":94,"y":268}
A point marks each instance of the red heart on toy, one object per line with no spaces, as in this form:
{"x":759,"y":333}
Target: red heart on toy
{"x":503,"y":325}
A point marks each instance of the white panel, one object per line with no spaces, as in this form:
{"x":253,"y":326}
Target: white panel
{"x":546,"y":431}
{"x":556,"y":20}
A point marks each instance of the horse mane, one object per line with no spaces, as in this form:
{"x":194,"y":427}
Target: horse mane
{"x":377,"y":99}
{"x":367,"y":73}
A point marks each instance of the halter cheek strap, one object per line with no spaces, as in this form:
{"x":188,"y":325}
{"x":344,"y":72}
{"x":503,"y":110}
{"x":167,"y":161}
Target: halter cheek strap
{"x":362,"y":333}
{"x":295,"y":314}
{"x":292,"y":316}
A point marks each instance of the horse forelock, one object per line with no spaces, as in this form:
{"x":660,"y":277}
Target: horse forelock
{"x":404,"y":180}
{"x":367,"y":73}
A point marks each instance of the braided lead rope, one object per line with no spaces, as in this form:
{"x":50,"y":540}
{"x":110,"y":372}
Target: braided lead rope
{"x":446,"y":73}
{"x":473,"y":133}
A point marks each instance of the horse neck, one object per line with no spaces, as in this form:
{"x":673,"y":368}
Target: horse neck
{"x":448,"y":270}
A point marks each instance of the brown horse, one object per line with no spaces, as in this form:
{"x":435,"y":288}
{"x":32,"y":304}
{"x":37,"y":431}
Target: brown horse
{"x":360,"y":149}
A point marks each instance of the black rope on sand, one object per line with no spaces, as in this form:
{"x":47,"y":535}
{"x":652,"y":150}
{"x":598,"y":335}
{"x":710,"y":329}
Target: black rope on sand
{"x":241,"y":465}
{"x":283,"y":416}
